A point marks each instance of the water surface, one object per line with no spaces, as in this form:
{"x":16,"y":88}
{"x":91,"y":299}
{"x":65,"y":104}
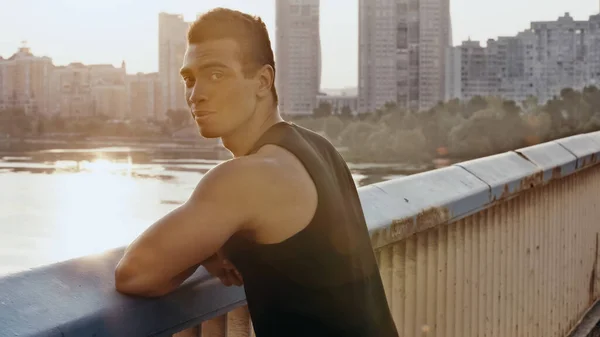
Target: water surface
{"x":60,"y":204}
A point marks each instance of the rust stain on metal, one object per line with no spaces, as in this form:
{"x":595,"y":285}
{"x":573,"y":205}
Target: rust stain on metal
{"x":556,"y":173}
{"x":592,"y":161}
{"x":593,"y":275}
{"x":432,"y":217}
{"x":505,"y":192}
{"x":526,"y":183}
{"x":425,"y":219}
{"x":402,"y":228}
{"x":532,"y":181}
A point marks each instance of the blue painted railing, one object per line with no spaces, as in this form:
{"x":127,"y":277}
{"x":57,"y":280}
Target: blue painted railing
{"x":77,"y":298}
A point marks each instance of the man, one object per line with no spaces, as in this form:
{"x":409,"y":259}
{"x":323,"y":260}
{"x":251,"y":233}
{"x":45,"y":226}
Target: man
{"x":285,"y":211}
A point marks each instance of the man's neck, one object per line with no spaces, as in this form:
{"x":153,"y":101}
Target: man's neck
{"x":242,"y":140}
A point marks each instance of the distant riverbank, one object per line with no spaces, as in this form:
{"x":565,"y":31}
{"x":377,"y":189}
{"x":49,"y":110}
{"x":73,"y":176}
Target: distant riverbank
{"x":74,"y":141}
{"x":141,"y":149}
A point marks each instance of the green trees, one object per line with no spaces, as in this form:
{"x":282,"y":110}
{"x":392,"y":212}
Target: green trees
{"x":462,"y":130}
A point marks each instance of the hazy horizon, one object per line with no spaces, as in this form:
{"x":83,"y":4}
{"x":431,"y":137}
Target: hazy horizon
{"x":81,"y":31}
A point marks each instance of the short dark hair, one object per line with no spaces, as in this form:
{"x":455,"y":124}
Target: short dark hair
{"x":250,"y":33}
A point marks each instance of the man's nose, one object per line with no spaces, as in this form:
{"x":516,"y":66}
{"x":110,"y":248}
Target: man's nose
{"x":197,"y":95}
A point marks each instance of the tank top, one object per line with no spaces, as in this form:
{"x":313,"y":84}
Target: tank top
{"x":324,"y":280}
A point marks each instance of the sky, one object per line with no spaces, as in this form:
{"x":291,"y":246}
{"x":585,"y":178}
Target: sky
{"x":110,"y":31}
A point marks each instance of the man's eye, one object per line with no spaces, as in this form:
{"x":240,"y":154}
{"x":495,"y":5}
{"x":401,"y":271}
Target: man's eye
{"x":215,"y":76}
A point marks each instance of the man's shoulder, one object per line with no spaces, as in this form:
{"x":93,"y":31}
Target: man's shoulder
{"x":272,"y":185}
{"x":246,"y":185}
{"x":270,"y":170}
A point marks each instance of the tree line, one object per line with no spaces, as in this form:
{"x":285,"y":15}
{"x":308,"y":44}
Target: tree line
{"x":457,"y":129}
{"x":14,"y":122}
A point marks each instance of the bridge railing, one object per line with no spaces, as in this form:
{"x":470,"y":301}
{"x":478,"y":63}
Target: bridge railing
{"x":500,"y":246}
{"x":505,"y":245}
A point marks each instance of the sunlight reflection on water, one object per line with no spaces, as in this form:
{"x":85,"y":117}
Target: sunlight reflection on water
{"x":52,"y":211}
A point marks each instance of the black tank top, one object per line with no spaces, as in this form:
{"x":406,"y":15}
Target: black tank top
{"x":323,"y":281}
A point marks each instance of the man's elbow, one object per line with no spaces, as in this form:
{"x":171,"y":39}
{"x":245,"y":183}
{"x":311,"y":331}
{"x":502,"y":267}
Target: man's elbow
{"x":131,"y":280}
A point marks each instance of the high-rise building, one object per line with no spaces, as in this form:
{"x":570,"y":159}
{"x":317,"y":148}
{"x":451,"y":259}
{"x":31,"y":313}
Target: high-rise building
{"x":25,"y":82}
{"x":402,"y":48}
{"x":3,"y":78}
{"x":297,"y":56}
{"x":172,"y":43}
{"x":593,"y":50}
{"x":453,"y":76}
{"x":562,"y":64}
{"x":145,"y":96}
{"x":468,"y":72}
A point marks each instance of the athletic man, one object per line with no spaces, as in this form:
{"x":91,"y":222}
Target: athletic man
{"x":285,"y":211}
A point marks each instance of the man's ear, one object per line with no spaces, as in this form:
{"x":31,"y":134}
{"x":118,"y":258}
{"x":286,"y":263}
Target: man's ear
{"x":266,"y":79}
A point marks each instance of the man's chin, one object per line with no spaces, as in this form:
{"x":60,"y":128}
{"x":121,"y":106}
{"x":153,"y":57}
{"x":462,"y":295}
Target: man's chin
{"x":208,"y":133}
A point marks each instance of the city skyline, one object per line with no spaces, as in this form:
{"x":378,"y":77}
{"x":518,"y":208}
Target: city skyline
{"x":476,"y":19}
{"x":536,"y":63}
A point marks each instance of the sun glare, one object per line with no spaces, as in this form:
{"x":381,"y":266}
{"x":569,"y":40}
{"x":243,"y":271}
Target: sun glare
{"x":98,"y":166}
{"x":94,"y":205}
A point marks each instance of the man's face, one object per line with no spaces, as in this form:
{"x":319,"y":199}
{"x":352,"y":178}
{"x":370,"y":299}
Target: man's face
{"x":220,"y":97}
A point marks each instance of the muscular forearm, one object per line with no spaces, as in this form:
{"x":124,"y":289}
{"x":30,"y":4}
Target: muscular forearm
{"x":181,"y":277}
{"x":136,"y":282}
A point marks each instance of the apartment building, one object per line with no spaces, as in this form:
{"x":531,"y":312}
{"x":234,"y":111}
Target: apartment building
{"x":25,"y":82}
{"x":402,"y":47}
{"x":81,"y":91}
{"x":540,"y":62}
{"x":561,"y":54}
{"x":73,"y":90}
{"x":109,"y":91}
{"x":297,"y":55}
{"x":172,"y":43}
{"x":592,"y":56}
{"x":145,"y":96}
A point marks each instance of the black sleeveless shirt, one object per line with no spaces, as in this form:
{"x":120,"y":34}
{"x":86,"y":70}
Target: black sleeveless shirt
{"x":323,"y":281}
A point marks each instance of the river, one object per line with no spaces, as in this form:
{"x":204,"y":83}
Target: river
{"x":60,"y":204}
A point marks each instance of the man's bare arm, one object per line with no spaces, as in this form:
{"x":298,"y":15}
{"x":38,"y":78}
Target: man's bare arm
{"x":168,"y":252}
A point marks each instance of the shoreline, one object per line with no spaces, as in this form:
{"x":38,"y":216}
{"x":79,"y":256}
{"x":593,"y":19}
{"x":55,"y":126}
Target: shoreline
{"x":116,"y":147}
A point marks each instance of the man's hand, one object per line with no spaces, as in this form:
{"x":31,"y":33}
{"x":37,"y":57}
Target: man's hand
{"x":219,"y":266}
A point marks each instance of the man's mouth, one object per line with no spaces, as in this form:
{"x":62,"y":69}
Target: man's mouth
{"x":198,"y":114}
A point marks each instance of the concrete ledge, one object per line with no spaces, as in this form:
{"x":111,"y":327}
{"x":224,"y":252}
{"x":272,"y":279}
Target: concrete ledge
{"x":595,"y":135}
{"x":507,"y":174}
{"x":586,"y":147}
{"x":77,"y":298}
{"x":553,"y":159}
{"x":401,"y":207}
{"x":588,"y":323}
